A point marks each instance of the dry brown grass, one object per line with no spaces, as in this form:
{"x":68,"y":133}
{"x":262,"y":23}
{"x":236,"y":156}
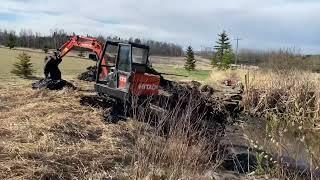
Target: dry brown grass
{"x":289,"y":102}
{"x":49,"y":135}
{"x":292,"y":95}
{"x":218,"y":77}
{"x":177,"y":146}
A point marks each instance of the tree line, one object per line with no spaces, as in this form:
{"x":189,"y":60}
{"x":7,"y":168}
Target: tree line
{"x":56,"y":38}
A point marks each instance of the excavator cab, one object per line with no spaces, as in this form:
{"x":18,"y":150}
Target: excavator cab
{"x":123,"y":71}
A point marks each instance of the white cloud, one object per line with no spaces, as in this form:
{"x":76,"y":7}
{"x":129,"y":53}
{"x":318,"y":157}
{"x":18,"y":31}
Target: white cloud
{"x":261,"y":24}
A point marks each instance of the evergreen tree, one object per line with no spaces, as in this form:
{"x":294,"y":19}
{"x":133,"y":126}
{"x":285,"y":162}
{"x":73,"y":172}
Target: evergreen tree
{"x":227,"y":59}
{"x":190,"y":63}
{"x":11,"y":42}
{"x":23,"y":67}
{"x":214,"y":61}
{"x":224,"y":54}
{"x":45,"y":49}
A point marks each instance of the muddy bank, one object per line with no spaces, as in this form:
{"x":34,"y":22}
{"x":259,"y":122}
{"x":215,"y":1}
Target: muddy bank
{"x":52,"y":84}
{"x":209,"y":98}
{"x":250,"y":149}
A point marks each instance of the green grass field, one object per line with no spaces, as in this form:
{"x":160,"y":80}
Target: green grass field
{"x":198,"y":74}
{"x":73,"y":66}
{"x":70,"y":67}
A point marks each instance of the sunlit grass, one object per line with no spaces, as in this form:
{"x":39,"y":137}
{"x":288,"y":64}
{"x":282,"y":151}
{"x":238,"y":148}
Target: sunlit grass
{"x":70,"y":67}
{"x":181,"y":74}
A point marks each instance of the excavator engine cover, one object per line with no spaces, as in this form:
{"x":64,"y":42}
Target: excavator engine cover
{"x":145,"y":84}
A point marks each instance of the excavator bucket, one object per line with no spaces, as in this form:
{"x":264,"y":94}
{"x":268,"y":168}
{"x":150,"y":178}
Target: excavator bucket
{"x":52,"y":80}
{"x":52,"y":84}
{"x":52,"y":73}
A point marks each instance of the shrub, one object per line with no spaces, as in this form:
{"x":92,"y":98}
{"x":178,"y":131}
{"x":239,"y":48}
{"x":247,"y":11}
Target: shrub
{"x":45,"y":49}
{"x":23,"y":68}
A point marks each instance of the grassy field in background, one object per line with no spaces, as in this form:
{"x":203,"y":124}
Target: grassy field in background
{"x":72,"y":66}
{"x":182,"y":74}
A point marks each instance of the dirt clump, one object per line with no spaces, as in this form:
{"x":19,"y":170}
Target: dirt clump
{"x":89,"y":75}
{"x":212,"y":103}
{"x":52,"y":84}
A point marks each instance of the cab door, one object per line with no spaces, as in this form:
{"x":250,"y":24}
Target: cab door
{"x":124,"y":67}
{"x":107,"y":65}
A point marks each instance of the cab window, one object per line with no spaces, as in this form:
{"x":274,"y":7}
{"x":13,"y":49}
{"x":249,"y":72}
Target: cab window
{"x":139,"y":55}
{"x":124,"y":61}
{"x":111,"y":54}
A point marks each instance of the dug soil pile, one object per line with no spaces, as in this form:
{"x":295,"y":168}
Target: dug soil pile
{"x":52,"y":84}
{"x":209,"y":99}
{"x":213,"y":109}
{"x":89,"y":75}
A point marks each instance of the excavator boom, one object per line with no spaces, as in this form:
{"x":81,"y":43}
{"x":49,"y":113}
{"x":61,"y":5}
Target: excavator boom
{"x":81,"y":42}
{"x":51,"y":69}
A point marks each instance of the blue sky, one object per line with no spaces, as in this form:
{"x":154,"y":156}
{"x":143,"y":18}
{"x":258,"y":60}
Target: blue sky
{"x":271,"y":24}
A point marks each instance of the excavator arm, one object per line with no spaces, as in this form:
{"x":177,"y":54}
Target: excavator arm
{"x":51,"y":69}
{"x":81,"y":42}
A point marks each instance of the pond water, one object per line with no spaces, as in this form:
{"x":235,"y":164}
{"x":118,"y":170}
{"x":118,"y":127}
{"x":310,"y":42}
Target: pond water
{"x":302,"y":146}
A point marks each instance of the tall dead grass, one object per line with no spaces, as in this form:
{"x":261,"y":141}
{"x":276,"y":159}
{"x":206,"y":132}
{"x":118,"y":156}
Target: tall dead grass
{"x":49,"y":135}
{"x":179,"y":144}
{"x":289,"y":101}
{"x":285,"y":96}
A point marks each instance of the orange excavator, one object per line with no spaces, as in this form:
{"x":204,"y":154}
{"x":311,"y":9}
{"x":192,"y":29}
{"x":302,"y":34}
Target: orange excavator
{"x":123,"y":69}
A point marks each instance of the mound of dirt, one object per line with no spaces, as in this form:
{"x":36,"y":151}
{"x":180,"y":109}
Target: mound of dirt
{"x":209,"y":100}
{"x":52,"y":84}
{"x":213,"y":106}
{"x":190,"y":100}
{"x":89,"y":75}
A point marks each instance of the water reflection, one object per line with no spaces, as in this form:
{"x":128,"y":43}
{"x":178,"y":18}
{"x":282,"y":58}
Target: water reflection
{"x":292,"y":143}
